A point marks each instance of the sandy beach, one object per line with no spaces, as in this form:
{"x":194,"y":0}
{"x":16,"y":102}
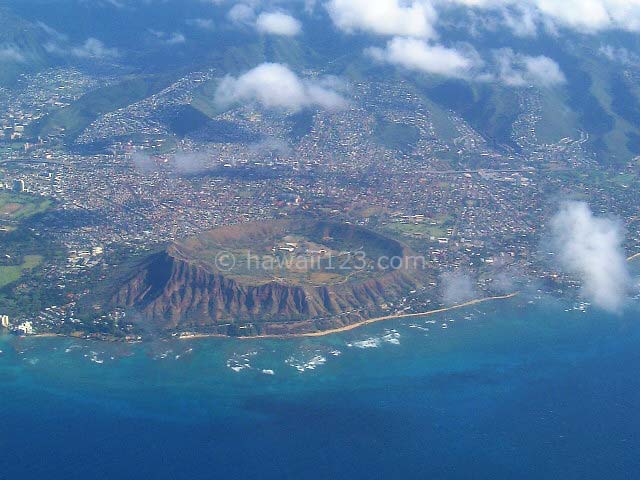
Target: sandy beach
{"x":347,"y":328}
{"x":363,"y":323}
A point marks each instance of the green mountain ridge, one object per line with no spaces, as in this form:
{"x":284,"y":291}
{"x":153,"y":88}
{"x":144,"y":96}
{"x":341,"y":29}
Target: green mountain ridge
{"x":600,"y":98}
{"x":28,"y":41}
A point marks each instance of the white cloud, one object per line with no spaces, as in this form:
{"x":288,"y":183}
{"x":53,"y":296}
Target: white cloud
{"x":175,"y":38}
{"x":420,"y":18}
{"x":242,"y":13}
{"x":518,"y":70}
{"x":543,"y":71}
{"x":273,"y":23}
{"x":143,"y":162}
{"x":509,"y":68}
{"x":202,"y":23}
{"x":619,"y":55}
{"x":309,"y":6}
{"x":522,"y":20}
{"x":11,"y":53}
{"x":192,"y":162}
{"x":52,"y":32}
{"x":415,"y":54}
{"x":278,"y":23}
{"x":94,"y":48}
{"x":589,"y":14}
{"x":457,"y":287}
{"x":104,"y":3}
{"x":591,"y":248}
{"x":586,"y":16}
{"x":413,"y":18}
{"x":275,"y":86}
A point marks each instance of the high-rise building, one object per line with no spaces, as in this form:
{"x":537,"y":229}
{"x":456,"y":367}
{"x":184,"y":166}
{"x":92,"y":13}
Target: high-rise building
{"x":25,"y":328}
{"x":18,"y":186}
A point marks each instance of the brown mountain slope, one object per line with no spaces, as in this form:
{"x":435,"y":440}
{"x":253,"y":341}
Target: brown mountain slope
{"x":173,"y":291}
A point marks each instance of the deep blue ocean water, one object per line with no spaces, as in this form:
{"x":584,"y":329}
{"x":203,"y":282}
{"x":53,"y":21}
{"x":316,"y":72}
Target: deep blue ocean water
{"x":508,"y":390}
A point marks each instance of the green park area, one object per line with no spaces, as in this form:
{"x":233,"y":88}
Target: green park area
{"x":423,"y":229}
{"x":15,"y":206}
{"x":15,"y":241}
{"x":12,"y":273}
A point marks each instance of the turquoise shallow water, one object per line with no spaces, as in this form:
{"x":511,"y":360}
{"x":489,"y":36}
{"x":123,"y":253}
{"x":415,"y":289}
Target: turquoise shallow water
{"x":507,"y":390}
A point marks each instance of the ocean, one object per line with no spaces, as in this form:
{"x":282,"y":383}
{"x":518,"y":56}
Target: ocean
{"x":507,"y":390}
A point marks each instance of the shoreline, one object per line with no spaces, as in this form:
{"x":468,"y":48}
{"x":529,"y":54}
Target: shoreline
{"x":323,"y":333}
{"x":356,"y":325}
